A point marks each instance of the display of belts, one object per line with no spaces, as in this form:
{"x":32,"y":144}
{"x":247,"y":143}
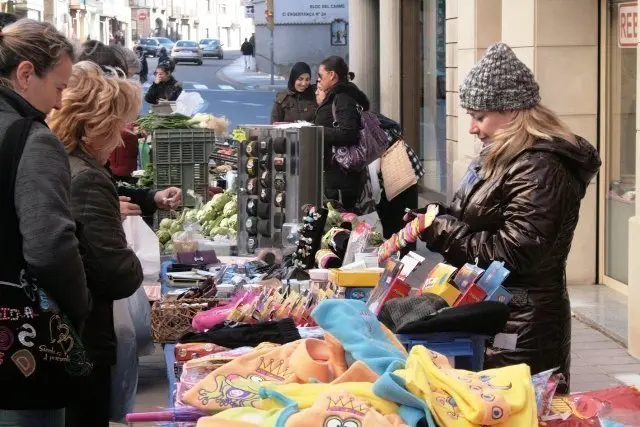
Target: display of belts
{"x":279,"y":170}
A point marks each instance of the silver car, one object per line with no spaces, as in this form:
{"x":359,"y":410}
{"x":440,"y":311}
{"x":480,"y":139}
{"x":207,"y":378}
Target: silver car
{"x":186,"y":51}
{"x":212,"y":48}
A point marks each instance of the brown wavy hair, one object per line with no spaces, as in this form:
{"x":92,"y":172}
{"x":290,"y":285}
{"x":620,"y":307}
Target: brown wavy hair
{"x":95,"y":108}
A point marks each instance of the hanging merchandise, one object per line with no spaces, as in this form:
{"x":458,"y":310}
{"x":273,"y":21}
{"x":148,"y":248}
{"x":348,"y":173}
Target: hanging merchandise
{"x":409,"y":234}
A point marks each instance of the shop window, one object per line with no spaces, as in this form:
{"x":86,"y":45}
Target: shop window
{"x":433,"y":147}
{"x":620,"y":142}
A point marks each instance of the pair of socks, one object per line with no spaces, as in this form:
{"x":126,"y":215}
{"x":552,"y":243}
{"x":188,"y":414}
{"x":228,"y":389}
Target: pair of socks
{"x":281,"y":332}
{"x":236,"y":384}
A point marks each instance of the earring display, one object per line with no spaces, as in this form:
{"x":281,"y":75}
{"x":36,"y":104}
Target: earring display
{"x":272,"y":192}
{"x":309,"y":236}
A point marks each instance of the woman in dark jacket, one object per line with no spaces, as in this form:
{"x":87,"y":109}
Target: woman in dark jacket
{"x":519,"y":203}
{"x":339,"y":95}
{"x":298,"y":102}
{"x":94,"y":109}
{"x":165,"y":86}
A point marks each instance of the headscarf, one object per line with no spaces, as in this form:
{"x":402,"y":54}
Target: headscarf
{"x":298,"y":69}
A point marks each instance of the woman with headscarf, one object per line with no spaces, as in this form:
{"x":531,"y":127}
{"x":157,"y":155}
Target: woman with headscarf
{"x":298,"y":101}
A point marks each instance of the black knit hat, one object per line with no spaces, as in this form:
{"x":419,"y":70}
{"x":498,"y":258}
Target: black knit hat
{"x":499,"y":82}
{"x":298,"y":69}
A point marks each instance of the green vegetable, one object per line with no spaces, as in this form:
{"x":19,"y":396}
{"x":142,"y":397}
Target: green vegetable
{"x":168,"y":248}
{"x":230,"y":208}
{"x":220,"y":231}
{"x":165,"y":224}
{"x":224,"y":223}
{"x":151,"y":122}
{"x":233,"y":222}
{"x":146,"y":180}
{"x":375,"y":239}
{"x":163,"y":236}
{"x":175,"y":227}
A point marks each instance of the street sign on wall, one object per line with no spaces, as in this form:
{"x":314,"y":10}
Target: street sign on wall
{"x":310,"y":11}
{"x":142,"y":15}
{"x":628,"y":24}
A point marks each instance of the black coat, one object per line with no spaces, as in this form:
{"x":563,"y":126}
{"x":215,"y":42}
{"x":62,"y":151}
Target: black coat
{"x":525,"y":217}
{"x":347,"y":98}
{"x":291,"y":106}
{"x":113,"y":270}
{"x":168,"y":90}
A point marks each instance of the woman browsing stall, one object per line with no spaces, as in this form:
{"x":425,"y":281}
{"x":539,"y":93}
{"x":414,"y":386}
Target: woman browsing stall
{"x":519,"y":202}
{"x":298,"y":101}
{"x":95,"y":108}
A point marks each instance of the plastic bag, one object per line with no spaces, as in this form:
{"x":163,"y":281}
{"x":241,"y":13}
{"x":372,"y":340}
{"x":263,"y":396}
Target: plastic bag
{"x":190,"y":103}
{"x":144,"y":242}
{"x":140,"y":311}
{"x":124,"y":375}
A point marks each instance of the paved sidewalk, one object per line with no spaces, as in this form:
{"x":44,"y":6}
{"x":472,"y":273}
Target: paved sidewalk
{"x":236,"y":74}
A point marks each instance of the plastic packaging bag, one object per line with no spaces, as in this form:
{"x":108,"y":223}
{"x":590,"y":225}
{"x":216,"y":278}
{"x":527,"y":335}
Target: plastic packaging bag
{"x":124,"y":375}
{"x":144,"y":242}
{"x":140,"y":311}
{"x":190,"y":103}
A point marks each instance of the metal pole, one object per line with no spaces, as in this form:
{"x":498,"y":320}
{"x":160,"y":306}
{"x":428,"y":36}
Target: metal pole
{"x":273,"y":64}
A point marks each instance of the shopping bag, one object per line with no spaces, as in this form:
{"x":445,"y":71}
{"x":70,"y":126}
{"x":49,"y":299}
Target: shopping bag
{"x":124,"y":375}
{"x":140,"y":311}
{"x":144,"y":242}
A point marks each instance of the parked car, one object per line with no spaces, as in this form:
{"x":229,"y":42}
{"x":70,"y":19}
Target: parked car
{"x":150,"y":46}
{"x":186,"y":51}
{"x":164,"y":42}
{"x":212,"y":48}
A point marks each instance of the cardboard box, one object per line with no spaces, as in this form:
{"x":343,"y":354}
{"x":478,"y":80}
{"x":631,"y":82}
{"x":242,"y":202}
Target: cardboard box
{"x":466,"y":275}
{"x":446,"y":291}
{"x":357,"y":278}
{"x":383,"y":293}
{"x":494,"y":276}
{"x":499,"y":294}
{"x":441,"y":273}
{"x":473,"y":294}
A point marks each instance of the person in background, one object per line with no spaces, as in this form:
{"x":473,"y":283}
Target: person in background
{"x":6,"y":19}
{"x":252,"y":40}
{"x":247,"y":52}
{"x":298,"y":102}
{"x":163,"y":58}
{"x":336,"y":89}
{"x":37,"y":228}
{"x":519,"y":203}
{"x":144,"y":65}
{"x":165,"y":87}
{"x":133,"y":201}
{"x":95,"y":108}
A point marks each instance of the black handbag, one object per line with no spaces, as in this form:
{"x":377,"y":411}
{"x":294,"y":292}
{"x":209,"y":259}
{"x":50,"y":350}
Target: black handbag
{"x":39,"y":346}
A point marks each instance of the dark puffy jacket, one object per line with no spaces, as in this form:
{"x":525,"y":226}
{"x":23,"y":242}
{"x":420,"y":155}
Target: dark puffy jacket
{"x":291,"y":106}
{"x":347,"y":97}
{"x":525,"y":217}
{"x":113,"y":270}
{"x":168,"y":90}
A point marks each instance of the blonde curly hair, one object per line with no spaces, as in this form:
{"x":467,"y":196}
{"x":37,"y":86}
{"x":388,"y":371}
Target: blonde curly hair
{"x":95,"y":108}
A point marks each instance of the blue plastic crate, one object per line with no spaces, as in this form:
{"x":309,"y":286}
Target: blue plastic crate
{"x":467,"y":350}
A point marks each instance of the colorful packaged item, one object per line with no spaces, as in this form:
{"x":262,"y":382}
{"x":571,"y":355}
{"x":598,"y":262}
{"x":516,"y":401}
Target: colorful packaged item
{"x":445,"y":290}
{"x":187,"y":351}
{"x":383,"y":293}
{"x":466,"y":275}
{"x":440,"y":274}
{"x":473,"y":294}
{"x":499,"y":294}
{"x":357,"y":242}
{"x":409,"y":234}
{"x":494,"y":276}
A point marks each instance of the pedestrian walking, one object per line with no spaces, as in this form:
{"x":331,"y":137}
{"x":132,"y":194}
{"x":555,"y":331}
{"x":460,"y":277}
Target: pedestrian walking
{"x":41,"y":269}
{"x":94,"y":110}
{"x":339,"y":114}
{"x":247,"y":52}
{"x":163,"y":58}
{"x":144,"y":65}
{"x":298,"y":101}
{"x":519,"y":202}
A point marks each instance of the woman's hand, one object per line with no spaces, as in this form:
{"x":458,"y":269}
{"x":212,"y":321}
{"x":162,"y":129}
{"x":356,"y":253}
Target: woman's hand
{"x":127,"y":208}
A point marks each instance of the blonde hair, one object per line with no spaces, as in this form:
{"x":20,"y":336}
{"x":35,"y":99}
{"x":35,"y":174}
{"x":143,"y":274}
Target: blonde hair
{"x":37,"y":42}
{"x":95,"y":107}
{"x":526,"y":127}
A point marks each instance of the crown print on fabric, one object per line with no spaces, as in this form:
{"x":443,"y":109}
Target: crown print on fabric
{"x":273,"y":370}
{"x":348,"y":406}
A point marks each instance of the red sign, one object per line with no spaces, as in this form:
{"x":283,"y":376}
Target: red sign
{"x":628,"y":24}
{"x":142,"y":15}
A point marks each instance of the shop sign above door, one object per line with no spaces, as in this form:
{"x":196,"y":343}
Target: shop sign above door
{"x":310,"y":11}
{"x":628,"y":24}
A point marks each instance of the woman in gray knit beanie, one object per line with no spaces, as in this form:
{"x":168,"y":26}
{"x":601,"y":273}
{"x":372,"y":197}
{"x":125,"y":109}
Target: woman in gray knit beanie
{"x":519,"y":203}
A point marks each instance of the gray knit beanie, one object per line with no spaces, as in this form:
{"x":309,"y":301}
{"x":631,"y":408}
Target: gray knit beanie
{"x":499,"y":82}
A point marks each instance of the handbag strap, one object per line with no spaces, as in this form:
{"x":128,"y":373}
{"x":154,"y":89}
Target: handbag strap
{"x":11,"y":151}
{"x":335,"y":116}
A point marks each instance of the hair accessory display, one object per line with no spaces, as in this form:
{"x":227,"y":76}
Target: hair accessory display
{"x":409,"y":234}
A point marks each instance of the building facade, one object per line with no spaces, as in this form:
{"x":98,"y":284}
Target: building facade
{"x":584,"y":55}
{"x":321,"y":25}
